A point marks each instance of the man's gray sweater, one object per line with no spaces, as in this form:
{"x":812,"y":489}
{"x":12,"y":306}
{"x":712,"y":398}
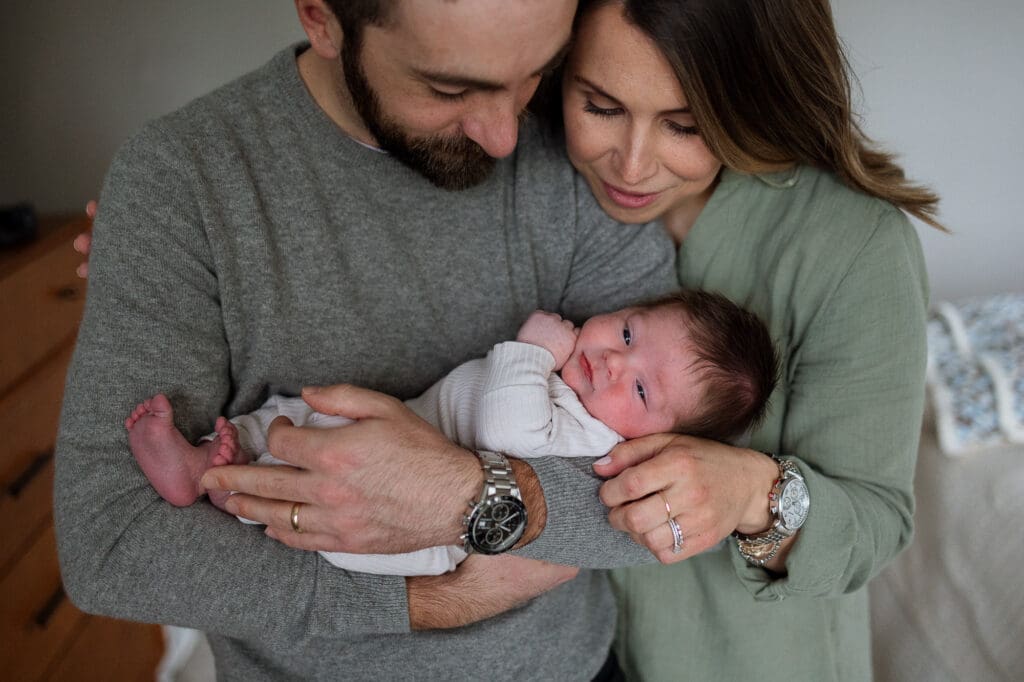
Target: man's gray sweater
{"x":246,"y":246}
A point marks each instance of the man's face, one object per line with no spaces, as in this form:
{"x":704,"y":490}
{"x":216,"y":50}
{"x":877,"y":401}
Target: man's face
{"x":442,"y":85}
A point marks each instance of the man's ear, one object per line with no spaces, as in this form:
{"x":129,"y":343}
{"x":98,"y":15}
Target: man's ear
{"x":321,"y":27}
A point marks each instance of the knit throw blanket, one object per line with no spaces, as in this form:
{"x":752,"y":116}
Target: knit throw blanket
{"x":976,"y":372}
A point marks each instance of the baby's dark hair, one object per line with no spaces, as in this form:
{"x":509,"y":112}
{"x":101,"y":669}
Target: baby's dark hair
{"x":738,"y":363}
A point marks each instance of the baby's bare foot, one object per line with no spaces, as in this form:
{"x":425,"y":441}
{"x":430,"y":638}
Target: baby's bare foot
{"x":173,"y":465}
{"x":228,"y":451}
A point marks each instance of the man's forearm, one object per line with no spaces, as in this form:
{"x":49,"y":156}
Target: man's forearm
{"x":482,"y":587}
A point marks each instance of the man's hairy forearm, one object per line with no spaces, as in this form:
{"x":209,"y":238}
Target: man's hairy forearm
{"x":481,"y":587}
{"x":533,"y":497}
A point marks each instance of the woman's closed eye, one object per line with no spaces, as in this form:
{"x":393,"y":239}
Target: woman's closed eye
{"x":680,"y":130}
{"x":592,"y":108}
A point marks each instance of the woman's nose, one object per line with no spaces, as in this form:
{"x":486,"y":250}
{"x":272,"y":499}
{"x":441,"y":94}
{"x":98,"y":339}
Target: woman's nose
{"x":636,"y":162}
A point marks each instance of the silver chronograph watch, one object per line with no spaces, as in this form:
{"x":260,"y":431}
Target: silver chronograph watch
{"x":496,"y":521}
{"x":788,"y":502}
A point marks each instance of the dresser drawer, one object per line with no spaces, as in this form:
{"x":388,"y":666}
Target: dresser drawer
{"x":110,"y":650}
{"x":41,"y":303}
{"x":28,"y":422}
{"x":37,"y":622}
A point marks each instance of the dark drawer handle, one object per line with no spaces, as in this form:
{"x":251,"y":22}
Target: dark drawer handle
{"x":44,"y":614}
{"x":30,"y":472}
{"x":67,"y":293}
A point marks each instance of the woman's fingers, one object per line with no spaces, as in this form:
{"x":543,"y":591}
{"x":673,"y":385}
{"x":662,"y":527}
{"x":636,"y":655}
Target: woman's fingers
{"x":641,"y":516}
{"x":650,"y":474}
{"x":83,"y":245}
{"x":631,"y":453}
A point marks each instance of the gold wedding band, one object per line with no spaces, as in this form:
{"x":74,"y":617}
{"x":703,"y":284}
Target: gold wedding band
{"x":295,"y":517}
{"x":668,"y":509}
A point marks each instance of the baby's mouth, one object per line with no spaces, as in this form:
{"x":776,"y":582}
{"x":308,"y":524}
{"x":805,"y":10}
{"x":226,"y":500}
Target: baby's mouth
{"x":588,"y":371}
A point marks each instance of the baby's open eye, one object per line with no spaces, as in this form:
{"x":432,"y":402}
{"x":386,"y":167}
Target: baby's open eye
{"x":627,"y":335}
{"x":641,"y":392}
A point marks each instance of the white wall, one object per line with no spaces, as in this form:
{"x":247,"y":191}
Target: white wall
{"x":77,"y":78}
{"x":941,"y":84}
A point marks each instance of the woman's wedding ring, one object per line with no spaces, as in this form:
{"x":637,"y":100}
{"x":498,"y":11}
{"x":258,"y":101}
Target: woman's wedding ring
{"x":677,"y":536}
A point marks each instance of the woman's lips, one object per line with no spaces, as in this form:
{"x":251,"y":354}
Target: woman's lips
{"x":628,"y":199}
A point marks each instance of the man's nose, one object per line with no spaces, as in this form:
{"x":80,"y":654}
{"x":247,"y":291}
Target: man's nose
{"x":494,"y":125}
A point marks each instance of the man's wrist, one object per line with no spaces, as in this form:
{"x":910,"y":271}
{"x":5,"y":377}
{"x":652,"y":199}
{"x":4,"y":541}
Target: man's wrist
{"x":467,"y":489}
{"x":533,"y":498}
{"x":530,"y":491}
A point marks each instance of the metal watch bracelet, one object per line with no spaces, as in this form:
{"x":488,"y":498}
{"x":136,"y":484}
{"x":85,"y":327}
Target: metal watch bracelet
{"x":760,"y":548}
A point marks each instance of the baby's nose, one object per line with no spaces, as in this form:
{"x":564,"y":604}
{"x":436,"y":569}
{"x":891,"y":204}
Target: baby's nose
{"x":613,"y":362}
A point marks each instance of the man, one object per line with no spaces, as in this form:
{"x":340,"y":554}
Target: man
{"x":263,"y":235}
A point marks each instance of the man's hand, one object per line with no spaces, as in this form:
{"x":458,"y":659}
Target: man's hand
{"x":388,"y":483}
{"x":711,"y":488}
{"x":549,"y":331}
{"x":481,"y":587}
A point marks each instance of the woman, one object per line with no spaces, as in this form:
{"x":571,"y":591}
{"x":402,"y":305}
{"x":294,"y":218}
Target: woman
{"x":730,"y":122}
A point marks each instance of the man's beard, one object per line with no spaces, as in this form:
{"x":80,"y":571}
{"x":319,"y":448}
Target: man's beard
{"x":451,"y":163}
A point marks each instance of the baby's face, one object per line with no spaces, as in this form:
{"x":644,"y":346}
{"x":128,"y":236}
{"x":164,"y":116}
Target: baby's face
{"x":634,"y":370}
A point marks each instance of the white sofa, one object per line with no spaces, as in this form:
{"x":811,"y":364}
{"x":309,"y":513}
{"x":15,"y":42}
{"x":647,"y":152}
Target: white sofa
{"x":952,"y":606}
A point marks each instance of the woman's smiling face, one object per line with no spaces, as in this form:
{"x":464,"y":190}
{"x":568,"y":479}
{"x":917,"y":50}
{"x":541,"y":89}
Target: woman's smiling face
{"x":629,"y":129}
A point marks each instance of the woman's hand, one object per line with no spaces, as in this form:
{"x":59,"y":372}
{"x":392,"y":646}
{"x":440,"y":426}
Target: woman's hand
{"x":711,"y":489}
{"x":83,"y":242}
{"x":481,"y":587}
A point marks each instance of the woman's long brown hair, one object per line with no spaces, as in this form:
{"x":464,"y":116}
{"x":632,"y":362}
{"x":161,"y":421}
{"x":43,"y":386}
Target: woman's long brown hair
{"x":769,"y":86}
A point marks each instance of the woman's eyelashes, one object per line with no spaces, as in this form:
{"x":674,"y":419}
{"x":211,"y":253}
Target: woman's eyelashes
{"x":592,"y":108}
{"x":681,"y":130}
{"x":677,"y":129}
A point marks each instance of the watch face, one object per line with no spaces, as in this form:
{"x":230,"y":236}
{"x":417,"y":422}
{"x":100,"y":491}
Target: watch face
{"x":497,"y":525}
{"x":794,"y":504}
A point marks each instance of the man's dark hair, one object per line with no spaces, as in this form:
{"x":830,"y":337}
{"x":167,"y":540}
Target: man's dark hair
{"x":353,"y":15}
{"x":738,"y":363}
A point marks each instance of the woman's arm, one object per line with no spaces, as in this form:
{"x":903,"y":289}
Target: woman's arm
{"x":852,"y":419}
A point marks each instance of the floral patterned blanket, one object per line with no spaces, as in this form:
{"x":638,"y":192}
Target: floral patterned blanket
{"x":976,"y":372}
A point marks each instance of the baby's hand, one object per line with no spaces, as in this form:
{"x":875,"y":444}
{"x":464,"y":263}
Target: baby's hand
{"x":550,"y":331}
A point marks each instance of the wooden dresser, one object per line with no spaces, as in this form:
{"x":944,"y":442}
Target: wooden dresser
{"x":42,"y":635}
